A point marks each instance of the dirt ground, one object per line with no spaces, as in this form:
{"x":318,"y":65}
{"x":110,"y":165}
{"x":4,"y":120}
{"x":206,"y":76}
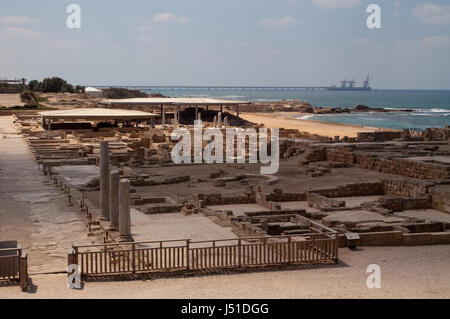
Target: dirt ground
{"x":10,"y":100}
{"x":32,"y":210}
{"x":406,"y":272}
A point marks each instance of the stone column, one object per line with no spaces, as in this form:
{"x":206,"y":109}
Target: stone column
{"x":215,"y":121}
{"x":104,"y":180}
{"x":219,"y":120}
{"x":225,"y":122}
{"x":199,"y":116}
{"x":114,"y":200}
{"x":163,"y":118}
{"x":124,"y":211}
{"x":175,"y":120}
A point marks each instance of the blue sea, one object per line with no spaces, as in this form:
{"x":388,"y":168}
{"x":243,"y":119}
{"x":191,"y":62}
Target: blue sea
{"x":431,"y":108}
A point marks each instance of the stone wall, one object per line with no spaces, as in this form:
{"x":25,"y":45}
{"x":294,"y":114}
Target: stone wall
{"x":440,"y":196}
{"x":316,"y":155}
{"x":399,"y":166}
{"x":323,"y":203}
{"x":398,"y":204}
{"x":406,"y":188}
{"x":352,"y":190}
{"x":340,"y":155}
{"x":378,"y":136}
{"x":218,"y":199}
{"x":278,"y":196}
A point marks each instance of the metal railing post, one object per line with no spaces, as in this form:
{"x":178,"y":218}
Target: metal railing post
{"x":289,"y":249}
{"x":188,"y":253}
{"x":239,"y":253}
{"x":133,"y":262}
{"x":23,"y":270}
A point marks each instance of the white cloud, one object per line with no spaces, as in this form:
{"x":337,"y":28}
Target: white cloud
{"x":431,"y":13}
{"x":434,"y":41}
{"x":366,"y":43}
{"x":64,"y":44}
{"x":19,"y":32}
{"x":328,"y":4}
{"x":397,"y":10}
{"x":16,"y":20}
{"x":277,"y":22}
{"x":431,"y":42}
{"x":168,"y":18}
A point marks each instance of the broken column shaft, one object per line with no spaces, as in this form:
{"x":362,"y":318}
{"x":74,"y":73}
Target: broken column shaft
{"x":114,"y":200}
{"x":124,"y":210}
{"x":104,"y":180}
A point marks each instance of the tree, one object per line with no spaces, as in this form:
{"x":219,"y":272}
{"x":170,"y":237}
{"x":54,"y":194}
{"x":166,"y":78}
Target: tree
{"x":35,"y":86}
{"x":54,"y":85}
{"x":67,"y":88}
{"x":79,"y":89}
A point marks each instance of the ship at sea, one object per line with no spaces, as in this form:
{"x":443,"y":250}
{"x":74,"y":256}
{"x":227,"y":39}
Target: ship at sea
{"x":351,"y":86}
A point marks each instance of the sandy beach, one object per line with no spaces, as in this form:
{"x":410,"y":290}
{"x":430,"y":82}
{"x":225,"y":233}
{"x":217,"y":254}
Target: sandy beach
{"x":286,"y":120}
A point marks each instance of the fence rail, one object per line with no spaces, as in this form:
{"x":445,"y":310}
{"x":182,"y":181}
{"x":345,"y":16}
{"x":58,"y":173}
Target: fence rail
{"x":14,"y":266}
{"x":163,"y":256}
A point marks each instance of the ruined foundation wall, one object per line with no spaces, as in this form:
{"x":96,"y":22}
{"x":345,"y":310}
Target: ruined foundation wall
{"x":406,"y":188}
{"x":440,"y":196}
{"x":352,"y":190}
{"x":218,"y":199}
{"x":399,"y":166}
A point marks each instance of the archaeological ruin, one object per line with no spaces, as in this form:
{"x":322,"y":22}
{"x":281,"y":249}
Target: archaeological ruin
{"x":144,"y":213}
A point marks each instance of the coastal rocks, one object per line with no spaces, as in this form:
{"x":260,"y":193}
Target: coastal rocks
{"x":365,"y":108}
{"x":359,"y":108}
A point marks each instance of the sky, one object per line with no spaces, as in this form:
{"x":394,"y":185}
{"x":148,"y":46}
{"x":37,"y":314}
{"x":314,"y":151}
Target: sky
{"x":228,"y":42}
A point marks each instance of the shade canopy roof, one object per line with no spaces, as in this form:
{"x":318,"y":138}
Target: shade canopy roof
{"x":91,"y":89}
{"x":173,"y":101}
{"x":97,"y":114}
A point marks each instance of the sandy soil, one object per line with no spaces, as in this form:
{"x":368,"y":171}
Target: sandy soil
{"x":9,"y":100}
{"x":68,"y":100}
{"x":406,"y":272}
{"x":285,"y":120}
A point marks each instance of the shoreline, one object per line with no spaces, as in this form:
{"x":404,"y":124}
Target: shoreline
{"x":286,"y":120}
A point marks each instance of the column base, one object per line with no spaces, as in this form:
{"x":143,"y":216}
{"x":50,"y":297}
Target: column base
{"x":124,"y":238}
{"x":113,"y":227}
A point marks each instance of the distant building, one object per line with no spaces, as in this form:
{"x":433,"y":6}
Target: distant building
{"x":93,"y":92}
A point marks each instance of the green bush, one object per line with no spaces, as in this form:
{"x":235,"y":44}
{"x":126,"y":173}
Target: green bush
{"x":27,"y":96}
